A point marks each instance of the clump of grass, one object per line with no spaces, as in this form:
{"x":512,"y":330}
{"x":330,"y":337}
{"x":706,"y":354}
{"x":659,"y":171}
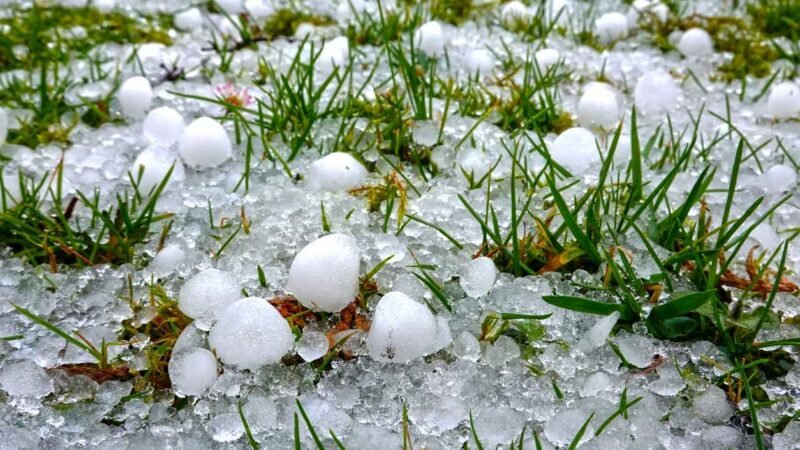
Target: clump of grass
{"x":389,"y":26}
{"x":776,"y":17}
{"x":51,"y":119}
{"x":39,"y":227}
{"x":162,"y":331}
{"x":49,"y":37}
{"x":38,"y":27}
{"x":533,"y":104}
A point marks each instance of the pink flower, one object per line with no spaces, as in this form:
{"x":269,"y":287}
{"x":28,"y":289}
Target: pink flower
{"x":235,"y":97}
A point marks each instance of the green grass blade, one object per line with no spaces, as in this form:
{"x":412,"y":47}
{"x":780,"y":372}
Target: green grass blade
{"x":59,"y":332}
{"x":584,"y":305}
{"x":248,"y":433}
{"x":577,"y":439}
{"x":310,"y":427}
{"x":572,"y":223}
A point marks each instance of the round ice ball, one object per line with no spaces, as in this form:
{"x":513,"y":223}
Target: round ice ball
{"x":480,"y":60}
{"x":204,"y":144}
{"x":611,"y":27}
{"x":695,"y":42}
{"x":3,"y":126}
{"x":259,"y":9}
{"x":656,"y":91}
{"x":784,"y":100}
{"x":135,"y":96}
{"x":250,"y":333}
{"x":337,"y":171}
{"x":429,"y":38}
{"x":598,"y":106}
{"x":334,"y":53}
{"x":478,"y":276}
{"x":514,"y":11}
{"x":546,"y":57}
{"x":192,"y":371}
{"x":778,"y":179}
{"x":402,"y":329}
{"x":349,"y":10}
{"x":189,"y":20}
{"x":576,"y":150}
{"x":167,"y":259}
{"x":155,"y":162}
{"x":231,"y":6}
{"x":324,"y":274}
{"x":163,"y":125}
{"x":208,"y":293}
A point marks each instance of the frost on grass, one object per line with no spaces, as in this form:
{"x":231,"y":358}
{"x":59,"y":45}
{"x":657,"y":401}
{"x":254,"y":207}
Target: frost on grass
{"x":438,"y":223}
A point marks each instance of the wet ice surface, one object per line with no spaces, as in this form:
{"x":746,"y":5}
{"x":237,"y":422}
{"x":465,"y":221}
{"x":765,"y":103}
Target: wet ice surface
{"x":504,"y":386}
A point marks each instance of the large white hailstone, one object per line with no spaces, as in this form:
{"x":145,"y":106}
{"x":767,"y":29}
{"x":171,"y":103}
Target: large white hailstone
{"x":560,"y":9}
{"x":429,"y":38}
{"x":695,"y":42}
{"x":337,"y":171}
{"x":231,"y":7}
{"x":205,"y":144}
{"x":208,"y":293}
{"x":474,"y":161}
{"x":546,"y":57}
{"x":611,"y":27}
{"x":349,"y":9}
{"x":163,"y":125}
{"x":778,"y":179}
{"x":3,"y":126}
{"x":598,"y":106}
{"x":480,"y":60}
{"x":135,"y":96}
{"x":656,"y":91}
{"x":189,"y":20}
{"x":514,"y":11}
{"x":576,"y":150}
{"x":784,"y":100}
{"x":250,"y":334}
{"x":192,"y":371}
{"x":167,"y":259}
{"x":324,"y":274}
{"x":258,"y":8}
{"x":766,"y":236}
{"x":402,"y":329}
{"x":478,"y":276}
{"x":329,"y":58}
{"x":155,"y":162}
{"x":334,"y":53}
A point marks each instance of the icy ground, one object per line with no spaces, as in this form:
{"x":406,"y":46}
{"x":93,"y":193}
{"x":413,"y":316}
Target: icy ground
{"x":550,"y":385}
